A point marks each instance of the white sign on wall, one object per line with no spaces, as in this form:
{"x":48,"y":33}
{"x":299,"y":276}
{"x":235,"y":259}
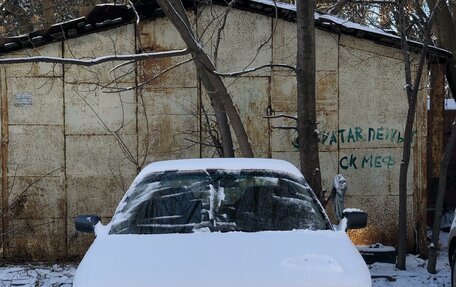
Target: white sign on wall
{"x":23,"y":100}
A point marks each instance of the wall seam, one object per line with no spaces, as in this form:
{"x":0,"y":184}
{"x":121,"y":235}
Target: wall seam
{"x":65,"y":181}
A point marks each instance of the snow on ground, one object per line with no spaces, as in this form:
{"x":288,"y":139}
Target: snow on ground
{"x":416,"y":275}
{"x":32,"y":275}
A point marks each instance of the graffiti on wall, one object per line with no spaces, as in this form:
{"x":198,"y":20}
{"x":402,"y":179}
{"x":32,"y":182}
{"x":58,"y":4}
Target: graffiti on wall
{"x":358,"y":134}
{"x":362,"y":160}
{"x":367,"y":161}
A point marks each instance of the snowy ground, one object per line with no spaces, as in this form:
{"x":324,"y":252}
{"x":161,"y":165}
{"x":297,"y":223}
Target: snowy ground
{"x":416,"y":275}
{"x":32,"y":275}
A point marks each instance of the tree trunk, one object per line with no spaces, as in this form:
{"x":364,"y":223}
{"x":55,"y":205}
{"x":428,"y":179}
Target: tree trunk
{"x":48,"y":13}
{"x":439,"y":201}
{"x":412,"y":95}
{"x":445,"y":24}
{"x":306,"y":98}
{"x":213,"y":84}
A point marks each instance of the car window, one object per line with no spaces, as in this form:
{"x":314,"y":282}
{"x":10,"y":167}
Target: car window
{"x":218,"y":200}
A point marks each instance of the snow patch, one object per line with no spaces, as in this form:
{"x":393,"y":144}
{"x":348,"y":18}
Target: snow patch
{"x":352,"y":210}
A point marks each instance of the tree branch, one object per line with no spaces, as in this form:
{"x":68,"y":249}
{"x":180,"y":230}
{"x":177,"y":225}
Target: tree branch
{"x":284,"y":128}
{"x":95,"y":61}
{"x":246,"y":71}
{"x":281,"y":116}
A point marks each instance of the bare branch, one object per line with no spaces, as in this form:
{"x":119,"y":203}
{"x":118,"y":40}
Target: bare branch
{"x":284,"y":128}
{"x":118,"y":90}
{"x":246,"y":71}
{"x":95,"y":61}
{"x":23,"y":192}
{"x":281,"y":116}
{"x":334,"y":10}
{"x":219,"y":33}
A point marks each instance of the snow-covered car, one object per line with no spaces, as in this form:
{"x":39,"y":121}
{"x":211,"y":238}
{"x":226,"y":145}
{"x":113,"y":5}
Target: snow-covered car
{"x":221,"y":222}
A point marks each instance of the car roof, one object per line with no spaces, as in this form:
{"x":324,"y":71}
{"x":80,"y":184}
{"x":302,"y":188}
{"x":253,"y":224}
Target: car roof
{"x":220,"y":163}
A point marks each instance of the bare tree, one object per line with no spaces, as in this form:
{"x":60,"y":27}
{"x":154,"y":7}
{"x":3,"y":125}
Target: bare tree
{"x":411,"y":89}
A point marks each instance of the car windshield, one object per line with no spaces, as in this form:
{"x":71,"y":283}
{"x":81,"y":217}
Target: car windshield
{"x":218,"y":200}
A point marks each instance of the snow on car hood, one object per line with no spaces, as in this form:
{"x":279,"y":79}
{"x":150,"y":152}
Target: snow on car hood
{"x":267,"y":259}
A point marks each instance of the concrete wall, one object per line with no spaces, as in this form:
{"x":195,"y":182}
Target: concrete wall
{"x":72,"y":144}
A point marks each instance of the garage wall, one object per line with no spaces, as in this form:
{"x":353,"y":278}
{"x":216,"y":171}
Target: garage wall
{"x":74,"y":143}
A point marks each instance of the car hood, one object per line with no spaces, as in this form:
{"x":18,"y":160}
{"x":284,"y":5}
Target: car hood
{"x":267,"y":259}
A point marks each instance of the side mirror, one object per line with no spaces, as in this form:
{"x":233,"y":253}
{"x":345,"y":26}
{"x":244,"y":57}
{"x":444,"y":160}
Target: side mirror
{"x":86,"y":223}
{"x":356,"y":218}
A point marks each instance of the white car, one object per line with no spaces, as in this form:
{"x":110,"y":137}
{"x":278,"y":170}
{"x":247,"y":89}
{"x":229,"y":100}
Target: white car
{"x":223,"y":223}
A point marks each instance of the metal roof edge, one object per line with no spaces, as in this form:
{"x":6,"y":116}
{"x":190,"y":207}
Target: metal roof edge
{"x":331,"y":24}
{"x":103,"y":17}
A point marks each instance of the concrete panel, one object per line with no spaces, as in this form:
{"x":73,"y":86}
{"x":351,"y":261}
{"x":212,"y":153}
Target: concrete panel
{"x":251,"y":97}
{"x":327,"y":93}
{"x":283,"y":99}
{"x":34,"y":150}
{"x":35,"y":101}
{"x":169,"y":102}
{"x":39,"y":69}
{"x":116,"y":41}
{"x":171,"y":128}
{"x":96,"y":194}
{"x":36,"y":239}
{"x":349,"y":42}
{"x":37,"y":197}
{"x":373,"y":171}
{"x":371,"y":97}
{"x":283,"y":140}
{"x":239,"y":48}
{"x":90,"y":111}
{"x":283,"y":91}
{"x":98,"y":156}
{"x":329,"y":169}
{"x":169,"y":137}
{"x":167,"y":73}
{"x":184,"y":153}
{"x":160,"y":34}
{"x":285,"y":45}
{"x":382,"y":219}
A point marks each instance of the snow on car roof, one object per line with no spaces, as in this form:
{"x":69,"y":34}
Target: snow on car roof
{"x":220,"y":163}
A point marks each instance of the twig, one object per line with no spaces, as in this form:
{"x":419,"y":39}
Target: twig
{"x":20,"y":195}
{"x":246,"y":71}
{"x":284,"y":128}
{"x":117,"y":90}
